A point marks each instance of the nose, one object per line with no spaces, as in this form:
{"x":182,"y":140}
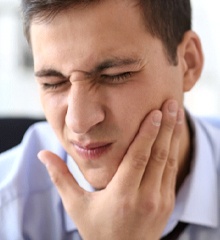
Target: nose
{"x":84,"y":108}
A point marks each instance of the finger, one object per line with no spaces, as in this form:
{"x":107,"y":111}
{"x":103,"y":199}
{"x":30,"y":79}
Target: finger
{"x":160,"y":150}
{"x":68,"y":188}
{"x":132,"y":167}
{"x":170,"y":172}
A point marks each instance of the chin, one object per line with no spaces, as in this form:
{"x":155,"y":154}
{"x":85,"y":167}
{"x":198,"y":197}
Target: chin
{"x":99,"y":184}
{"x":99,"y":181}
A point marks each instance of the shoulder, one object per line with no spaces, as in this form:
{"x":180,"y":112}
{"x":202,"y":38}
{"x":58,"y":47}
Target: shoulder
{"x":207,"y":130}
{"x":20,"y":170}
{"x":210,"y":127}
{"x":26,"y":189}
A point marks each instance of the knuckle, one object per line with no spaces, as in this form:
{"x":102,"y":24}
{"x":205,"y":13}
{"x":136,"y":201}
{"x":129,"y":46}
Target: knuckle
{"x":150,"y":206}
{"x":172,"y":162}
{"x":140,"y":160}
{"x":172,"y":166}
{"x":160,"y":154}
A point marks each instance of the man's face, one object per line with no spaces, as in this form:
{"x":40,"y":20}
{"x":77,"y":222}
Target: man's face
{"x":100,"y":73}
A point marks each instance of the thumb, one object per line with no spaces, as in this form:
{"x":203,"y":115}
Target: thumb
{"x":69,"y":190}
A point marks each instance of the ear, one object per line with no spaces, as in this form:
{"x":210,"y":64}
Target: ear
{"x":191,"y":58}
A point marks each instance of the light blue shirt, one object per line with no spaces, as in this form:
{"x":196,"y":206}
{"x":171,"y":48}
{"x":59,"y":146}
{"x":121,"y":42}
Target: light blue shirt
{"x":31,"y":209}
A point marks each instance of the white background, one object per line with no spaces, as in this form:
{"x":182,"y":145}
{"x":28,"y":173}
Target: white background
{"x":18,"y":90}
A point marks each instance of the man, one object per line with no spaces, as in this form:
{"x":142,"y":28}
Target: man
{"x":112,"y":77}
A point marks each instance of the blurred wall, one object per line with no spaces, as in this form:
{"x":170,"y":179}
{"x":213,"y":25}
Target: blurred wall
{"x":18,"y":90}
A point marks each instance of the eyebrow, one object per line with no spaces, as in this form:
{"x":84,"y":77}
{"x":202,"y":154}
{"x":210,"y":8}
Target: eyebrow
{"x":49,"y":73}
{"x":116,"y":62}
{"x":111,"y":63}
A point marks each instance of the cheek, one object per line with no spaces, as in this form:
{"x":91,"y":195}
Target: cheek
{"x":130,"y":106}
{"x":138,"y":101}
{"x":55,"y":110}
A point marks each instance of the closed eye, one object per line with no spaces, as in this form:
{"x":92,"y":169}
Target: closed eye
{"x":54,"y":86}
{"x":117,"y":78}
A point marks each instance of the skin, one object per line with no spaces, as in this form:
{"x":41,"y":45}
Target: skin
{"x":102,"y":79}
{"x":127,"y":208}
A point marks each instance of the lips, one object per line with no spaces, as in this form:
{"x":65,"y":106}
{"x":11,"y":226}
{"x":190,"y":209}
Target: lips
{"x":92,"y":151}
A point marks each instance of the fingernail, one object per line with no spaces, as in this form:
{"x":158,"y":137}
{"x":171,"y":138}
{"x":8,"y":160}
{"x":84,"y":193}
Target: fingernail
{"x":173,"y":108}
{"x":156,"y":119}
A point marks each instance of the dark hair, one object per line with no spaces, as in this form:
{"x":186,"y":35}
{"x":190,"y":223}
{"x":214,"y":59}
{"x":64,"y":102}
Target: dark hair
{"x":167,"y":20}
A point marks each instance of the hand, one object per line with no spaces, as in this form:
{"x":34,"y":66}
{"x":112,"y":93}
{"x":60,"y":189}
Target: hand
{"x":136,"y":204}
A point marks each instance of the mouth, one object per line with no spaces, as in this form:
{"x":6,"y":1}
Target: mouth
{"x":92,"y":151}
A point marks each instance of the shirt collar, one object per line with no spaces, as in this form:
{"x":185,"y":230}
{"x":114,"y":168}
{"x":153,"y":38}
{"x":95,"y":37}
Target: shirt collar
{"x":196,"y":202}
{"x":197,"y":199}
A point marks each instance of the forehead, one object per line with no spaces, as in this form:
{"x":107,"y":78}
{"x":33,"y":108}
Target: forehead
{"x":81,"y":36}
{"x":87,"y":9}
{"x":105,"y":15}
